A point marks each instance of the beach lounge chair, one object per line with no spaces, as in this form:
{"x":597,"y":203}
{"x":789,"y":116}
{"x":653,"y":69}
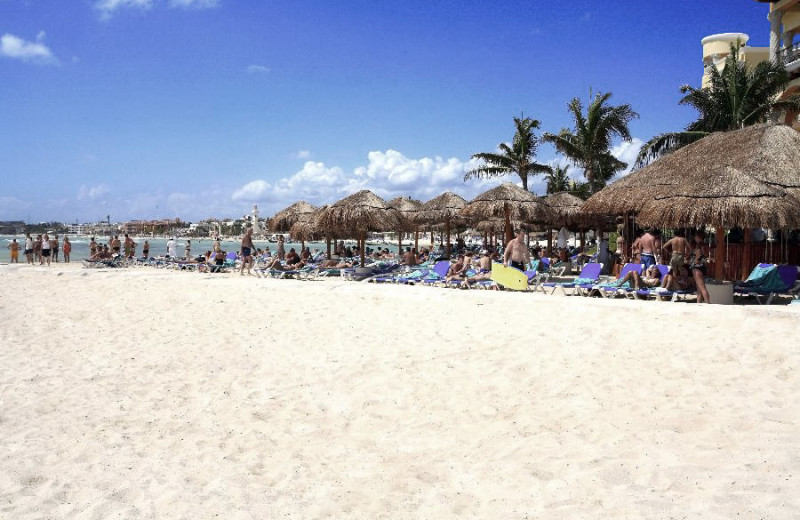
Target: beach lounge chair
{"x":584,"y":281}
{"x":612,"y":290}
{"x":767,"y":281}
{"x":437,"y":274}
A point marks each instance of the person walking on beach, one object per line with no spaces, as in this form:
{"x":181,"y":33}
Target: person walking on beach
{"x":146,"y":249}
{"x":171,"y":248}
{"x":37,"y":248}
{"x":14,"y":248}
{"x":54,"y":248}
{"x":28,"y":248}
{"x":247,"y":251}
{"x":698,"y":264}
{"x":45,"y":245}
{"x":281,"y":253}
{"x":92,"y":248}
{"x":517,"y":254}
{"x":187,"y":252}
{"x":66,"y":248}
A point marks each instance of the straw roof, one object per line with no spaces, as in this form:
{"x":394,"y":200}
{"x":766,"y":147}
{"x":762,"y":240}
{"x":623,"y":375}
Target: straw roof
{"x":497,"y":225}
{"x":747,"y":178}
{"x":358,"y":213}
{"x":442,"y":208}
{"x":285,"y":218}
{"x":521,"y":205}
{"x":566,"y":206}
{"x":408,"y":209}
{"x":306,"y":227}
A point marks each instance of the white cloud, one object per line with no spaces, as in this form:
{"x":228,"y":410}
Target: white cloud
{"x":93,"y":192}
{"x":32,"y":52}
{"x":302,"y":154}
{"x":627,"y":152}
{"x":257,"y":69}
{"x":107,"y":8}
{"x":194,"y":4}
{"x":389,"y":174}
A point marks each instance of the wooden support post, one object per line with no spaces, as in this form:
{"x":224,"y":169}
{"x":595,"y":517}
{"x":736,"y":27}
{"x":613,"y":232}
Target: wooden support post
{"x":719,"y":254}
{"x":746,"y":254}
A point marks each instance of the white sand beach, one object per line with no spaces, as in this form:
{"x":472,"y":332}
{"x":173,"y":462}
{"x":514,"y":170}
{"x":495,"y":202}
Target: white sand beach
{"x":140,"y":393}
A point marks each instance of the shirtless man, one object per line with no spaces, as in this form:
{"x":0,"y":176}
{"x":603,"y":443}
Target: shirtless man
{"x":247,"y":251}
{"x":92,"y":248}
{"x":130,"y":247}
{"x":647,"y":247}
{"x":14,"y":248}
{"x":517,"y":254}
{"x":409,"y":257}
{"x":116,"y":244}
{"x":680,"y":250}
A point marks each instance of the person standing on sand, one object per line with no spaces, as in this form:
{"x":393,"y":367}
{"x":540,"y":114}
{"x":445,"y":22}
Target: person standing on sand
{"x":45,"y":250}
{"x":146,"y":249}
{"x":28,"y":248}
{"x":92,"y":248}
{"x":171,"y":248}
{"x":37,"y":249}
{"x":14,"y":248}
{"x":647,"y":246}
{"x":698,"y":264}
{"x":679,"y":248}
{"x":66,"y":248}
{"x":281,"y":253}
{"x":54,"y":247}
{"x":116,"y":245}
{"x":517,"y":254}
{"x":247,"y":251}
{"x":130,"y":247}
{"x":187,"y":251}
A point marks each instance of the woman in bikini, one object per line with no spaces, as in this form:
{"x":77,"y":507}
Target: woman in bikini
{"x":698,"y":263}
{"x":678,"y":281}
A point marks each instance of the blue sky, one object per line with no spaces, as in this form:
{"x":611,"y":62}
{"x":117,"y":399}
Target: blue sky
{"x":199,"y":108}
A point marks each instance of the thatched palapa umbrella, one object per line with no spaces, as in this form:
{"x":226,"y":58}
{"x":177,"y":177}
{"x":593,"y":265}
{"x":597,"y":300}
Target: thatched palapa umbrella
{"x":510,"y":202}
{"x":407,"y":208}
{"x":358,"y":214}
{"x":284,"y":219}
{"x":442,"y":209}
{"x":744,"y":178}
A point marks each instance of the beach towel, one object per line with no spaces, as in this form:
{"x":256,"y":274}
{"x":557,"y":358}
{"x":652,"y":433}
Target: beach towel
{"x":765,"y":279}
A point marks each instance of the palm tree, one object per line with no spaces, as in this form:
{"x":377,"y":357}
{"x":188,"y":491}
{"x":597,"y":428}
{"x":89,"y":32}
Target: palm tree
{"x":516,"y":158}
{"x":557,"y":180}
{"x":737,"y":96}
{"x":588,"y":145}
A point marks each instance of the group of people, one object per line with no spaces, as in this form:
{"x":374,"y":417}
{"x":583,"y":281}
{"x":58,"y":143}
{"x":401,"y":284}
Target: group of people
{"x":41,"y":249}
{"x":688,"y":262}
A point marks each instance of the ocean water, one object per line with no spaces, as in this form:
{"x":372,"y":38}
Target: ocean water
{"x":158,"y":246}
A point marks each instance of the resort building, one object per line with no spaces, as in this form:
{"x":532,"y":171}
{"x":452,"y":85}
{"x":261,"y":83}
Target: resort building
{"x":784,"y":47}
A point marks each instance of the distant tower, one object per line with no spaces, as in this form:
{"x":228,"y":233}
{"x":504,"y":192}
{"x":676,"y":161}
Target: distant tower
{"x":256,"y":227}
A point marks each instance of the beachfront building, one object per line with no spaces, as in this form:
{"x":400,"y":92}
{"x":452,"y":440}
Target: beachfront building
{"x":784,"y":47}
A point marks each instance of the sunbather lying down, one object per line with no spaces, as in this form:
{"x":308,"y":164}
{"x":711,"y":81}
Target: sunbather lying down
{"x":479,"y":277}
{"x":650,"y":279}
{"x":336,"y":264}
{"x":276,"y":265}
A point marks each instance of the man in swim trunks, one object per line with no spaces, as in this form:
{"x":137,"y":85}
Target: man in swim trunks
{"x":116,"y":244}
{"x":92,"y":248}
{"x":130,"y":247}
{"x":680,"y":249}
{"x":247,"y":251}
{"x":146,"y":249}
{"x":14,"y":248}
{"x":54,"y":247}
{"x":647,"y":245}
{"x":517,"y":254}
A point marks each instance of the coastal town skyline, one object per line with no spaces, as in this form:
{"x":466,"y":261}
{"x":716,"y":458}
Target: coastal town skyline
{"x":147,"y":109}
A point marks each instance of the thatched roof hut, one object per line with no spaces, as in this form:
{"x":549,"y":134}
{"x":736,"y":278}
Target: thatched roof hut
{"x":746,"y":178}
{"x":407,"y":208}
{"x":566,"y":207}
{"x":356,"y":215}
{"x":443,"y":209}
{"x":285,"y":218}
{"x":508,"y":201}
{"x":306,"y":228}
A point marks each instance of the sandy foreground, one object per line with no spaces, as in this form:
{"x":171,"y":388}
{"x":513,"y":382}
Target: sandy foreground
{"x":141,"y":393}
